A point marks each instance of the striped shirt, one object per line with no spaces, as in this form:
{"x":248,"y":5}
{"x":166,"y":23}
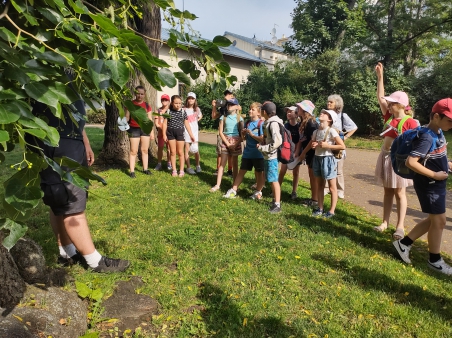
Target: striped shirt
{"x":177,"y":119}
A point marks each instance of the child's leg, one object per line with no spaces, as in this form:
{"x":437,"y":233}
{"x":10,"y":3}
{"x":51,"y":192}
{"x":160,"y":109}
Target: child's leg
{"x":187,"y":155}
{"x":400,"y":195}
{"x":172,"y":145}
{"x":134,"y":143}
{"x":230,"y":163}
{"x":388,"y":199}
{"x":145,"y":140}
{"x":218,"y":160}
{"x":260,"y":180}
{"x":276,"y":190}
{"x":296,"y":178}
{"x":313,"y":183}
{"x":198,"y":159}
{"x":282,"y":173}
{"x":224,"y":158}
{"x":333,"y":190}
{"x":180,"y":152}
{"x":239,"y":179}
{"x":435,"y":232}
{"x":235,"y":166}
{"x":320,"y":183}
{"x":159,"y":153}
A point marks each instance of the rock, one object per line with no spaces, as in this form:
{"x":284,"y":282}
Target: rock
{"x":129,"y":308}
{"x":12,"y":286}
{"x":43,"y":313}
{"x":30,"y":261}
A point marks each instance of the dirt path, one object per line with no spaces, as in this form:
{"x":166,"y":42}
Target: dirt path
{"x":362,"y":190}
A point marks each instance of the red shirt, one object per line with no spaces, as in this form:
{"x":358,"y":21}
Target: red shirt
{"x":143,"y":105}
{"x":409,"y":124}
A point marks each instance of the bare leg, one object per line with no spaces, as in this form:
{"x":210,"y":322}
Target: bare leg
{"x":187,"y":155}
{"x":276,"y":189}
{"x":180,"y":152}
{"x":159,"y":154}
{"x":235,"y":166}
{"x":282,"y":173}
{"x":333,"y":190}
{"x":198,"y":159}
{"x":172,"y":144}
{"x":145,"y":140}
{"x":218,"y":161}
{"x":400,"y":195}
{"x":296,"y":178}
{"x":435,"y":232}
{"x":388,"y":199}
{"x":239,"y":179}
{"x":260,"y":180}
{"x":224,"y":158}
{"x":313,"y":183}
{"x":134,"y":143}
{"x":320,"y":184}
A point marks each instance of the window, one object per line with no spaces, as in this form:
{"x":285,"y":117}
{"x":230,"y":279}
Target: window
{"x":182,"y":88}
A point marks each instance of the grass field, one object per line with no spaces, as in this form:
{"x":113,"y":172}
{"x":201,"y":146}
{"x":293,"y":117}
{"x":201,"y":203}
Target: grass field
{"x":228,"y":268}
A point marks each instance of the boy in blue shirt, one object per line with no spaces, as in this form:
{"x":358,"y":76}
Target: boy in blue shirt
{"x":252,"y":157}
{"x":430,"y":186}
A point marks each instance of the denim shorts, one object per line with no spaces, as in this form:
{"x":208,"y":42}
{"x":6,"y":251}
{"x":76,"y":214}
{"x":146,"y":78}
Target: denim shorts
{"x":325,"y":167}
{"x":271,"y":170}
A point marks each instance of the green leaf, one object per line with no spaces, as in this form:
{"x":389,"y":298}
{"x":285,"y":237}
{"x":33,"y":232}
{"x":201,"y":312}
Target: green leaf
{"x":182,"y":78}
{"x":221,"y":41}
{"x":52,"y":57}
{"x":163,"y":4}
{"x":31,"y":19}
{"x":21,"y":196}
{"x":194,"y":74}
{"x":7,"y":116}
{"x":97,"y":294}
{"x":17,"y":74}
{"x":7,"y":35}
{"x":91,"y":335}
{"x":83,"y":172}
{"x":224,"y":67}
{"x":14,"y":214}
{"x":187,"y":66}
{"x":214,"y":52}
{"x":189,"y":16}
{"x":37,"y":68}
{"x":53,"y":136}
{"x":22,"y":107}
{"x":140,"y":116}
{"x":4,"y":136}
{"x":51,"y":15}
{"x":120,"y":73}
{"x":36,"y":132}
{"x":12,"y":94}
{"x":82,"y":289}
{"x":167,"y":77}
{"x":100,"y":74}
{"x":16,"y":232}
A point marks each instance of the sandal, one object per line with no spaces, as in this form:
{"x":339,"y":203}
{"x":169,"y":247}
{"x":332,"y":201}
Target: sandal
{"x":398,"y":234}
{"x":214,"y":188}
{"x":381,"y":228}
{"x":174,"y":174}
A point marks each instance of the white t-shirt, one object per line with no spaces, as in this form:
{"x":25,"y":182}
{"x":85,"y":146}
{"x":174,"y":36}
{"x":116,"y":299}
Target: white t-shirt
{"x":193,"y":117}
{"x":319,"y":136}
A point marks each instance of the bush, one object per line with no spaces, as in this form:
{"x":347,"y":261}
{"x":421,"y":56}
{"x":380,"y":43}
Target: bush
{"x":96,"y":116}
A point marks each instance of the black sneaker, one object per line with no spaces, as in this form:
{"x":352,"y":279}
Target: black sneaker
{"x":111,"y":265}
{"x":132,"y":174}
{"x":76,"y":259}
{"x":147,"y":172}
{"x":230,"y":173}
{"x":274,"y":209}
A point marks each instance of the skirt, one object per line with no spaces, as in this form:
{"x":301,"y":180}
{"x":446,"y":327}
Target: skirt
{"x":386,"y":176}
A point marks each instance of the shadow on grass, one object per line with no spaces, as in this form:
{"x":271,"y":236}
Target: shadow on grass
{"x":224,"y":317}
{"x":404,"y":292}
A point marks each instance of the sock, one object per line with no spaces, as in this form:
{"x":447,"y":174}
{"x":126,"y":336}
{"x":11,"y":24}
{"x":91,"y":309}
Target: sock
{"x":434,"y":257}
{"x":278,"y":204}
{"x":70,"y":250}
{"x":406,"y":241}
{"x":62,"y":252}
{"x":93,"y":259}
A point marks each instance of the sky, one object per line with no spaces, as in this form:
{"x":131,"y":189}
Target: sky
{"x":243,"y":17}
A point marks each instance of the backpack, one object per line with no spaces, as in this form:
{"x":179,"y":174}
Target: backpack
{"x":402,"y":146}
{"x":387,"y":126}
{"x":259,"y":124}
{"x":287,"y":148}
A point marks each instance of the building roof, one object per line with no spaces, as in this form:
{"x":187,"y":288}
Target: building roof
{"x":231,"y":50}
{"x":257,"y":43}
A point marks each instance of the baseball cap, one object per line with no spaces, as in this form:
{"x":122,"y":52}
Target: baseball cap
{"x":332,"y":114}
{"x":293,"y":108}
{"x":233,"y":101}
{"x":227,"y":92}
{"x":443,"y":107}
{"x":165,"y":97}
{"x":398,"y":97}
{"x":269,"y":107}
{"x":191,"y":94}
{"x":307,"y":106}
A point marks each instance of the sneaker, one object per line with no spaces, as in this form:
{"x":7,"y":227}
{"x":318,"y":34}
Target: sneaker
{"x":229,"y":173}
{"x":328,"y":215}
{"x":441,"y":266}
{"x":317,"y":212}
{"x":293,"y":195}
{"x":215,"y":173}
{"x":254,"y":186}
{"x":340,"y":195}
{"x":230,"y":194}
{"x":158,"y":167}
{"x":404,"y":251}
{"x":181,"y":174}
{"x":214,"y":188}
{"x":174,"y":174}
{"x":169,"y":167}
{"x":132,"y":174}
{"x":147,"y":172}
{"x":257,"y":196}
{"x":274,"y":209}
{"x":198,"y":169}
{"x":310,"y":203}
{"x":111,"y":265}
{"x":76,"y":259}
{"x":191,"y":171}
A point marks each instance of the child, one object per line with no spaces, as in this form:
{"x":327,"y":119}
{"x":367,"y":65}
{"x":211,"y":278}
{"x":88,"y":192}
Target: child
{"x":324,"y":140}
{"x":137,"y":136}
{"x":430,"y":186}
{"x":396,"y":122}
{"x":232,"y":141}
{"x":194,"y":115}
{"x":252,"y":134}
{"x":307,"y":127}
{"x":272,"y":142}
{"x":158,"y":121}
{"x":173,"y":133}
{"x":293,"y":126}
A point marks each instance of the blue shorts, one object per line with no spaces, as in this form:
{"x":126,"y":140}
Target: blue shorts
{"x":271,"y":170}
{"x":432,"y":202}
{"x":324,"y":166}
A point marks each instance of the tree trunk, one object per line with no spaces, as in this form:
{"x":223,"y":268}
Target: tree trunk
{"x":390,"y":34}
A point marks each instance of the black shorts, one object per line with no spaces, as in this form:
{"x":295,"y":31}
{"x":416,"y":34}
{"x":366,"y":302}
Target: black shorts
{"x":63,"y":197}
{"x":432,"y":202}
{"x":310,"y":157}
{"x":249,"y":163}
{"x":136,"y":132}
{"x":175,"y":134}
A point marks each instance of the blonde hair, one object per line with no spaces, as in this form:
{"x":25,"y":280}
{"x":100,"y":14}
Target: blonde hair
{"x":258,"y":106}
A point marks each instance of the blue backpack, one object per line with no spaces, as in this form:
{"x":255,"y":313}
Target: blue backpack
{"x":402,"y":146}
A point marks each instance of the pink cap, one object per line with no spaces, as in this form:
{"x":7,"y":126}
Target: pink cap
{"x":443,"y":107}
{"x":398,"y":97}
{"x":165,"y":97}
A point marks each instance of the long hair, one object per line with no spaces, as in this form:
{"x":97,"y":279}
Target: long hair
{"x":338,"y":101}
{"x":174,"y":97}
{"x":305,"y":120}
{"x":195,"y":104}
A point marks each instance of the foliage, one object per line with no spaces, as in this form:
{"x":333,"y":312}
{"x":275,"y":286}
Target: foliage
{"x":94,"y":297}
{"x":95,"y":116}
{"x":42,"y":43}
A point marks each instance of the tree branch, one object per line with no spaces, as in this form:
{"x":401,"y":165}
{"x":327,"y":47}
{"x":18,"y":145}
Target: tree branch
{"x":5,"y":11}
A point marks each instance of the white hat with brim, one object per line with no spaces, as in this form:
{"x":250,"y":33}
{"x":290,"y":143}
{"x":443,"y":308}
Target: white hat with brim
{"x":292,"y":108}
{"x":191,"y":94}
{"x":122,"y":124}
{"x":332,"y":114}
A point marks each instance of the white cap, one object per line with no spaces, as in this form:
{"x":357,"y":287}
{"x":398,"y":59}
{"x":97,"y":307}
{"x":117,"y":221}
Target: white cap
{"x":122,"y":124}
{"x":332,"y":114}
{"x":191,"y":94}
{"x":292,"y":108}
{"x":193,"y":148}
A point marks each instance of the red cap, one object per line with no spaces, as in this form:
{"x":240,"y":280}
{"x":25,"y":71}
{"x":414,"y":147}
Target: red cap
{"x":165,"y":97}
{"x":443,"y":107}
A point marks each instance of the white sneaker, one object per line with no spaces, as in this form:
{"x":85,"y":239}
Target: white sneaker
{"x":257,"y":196}
{"x":191,"y":171}
{"x":198,"y":169}
{"x":403,"y":250}
{"x":230,"y":194}
{"x":441,"y":266}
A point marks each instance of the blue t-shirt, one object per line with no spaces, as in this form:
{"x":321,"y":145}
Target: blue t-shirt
{"x":437,"y":161}
{"x":230,"y":125}
{"x":251,"y":150}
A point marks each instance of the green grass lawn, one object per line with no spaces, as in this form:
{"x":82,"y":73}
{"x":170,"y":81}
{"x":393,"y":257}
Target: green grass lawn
{"x":228,"y":268}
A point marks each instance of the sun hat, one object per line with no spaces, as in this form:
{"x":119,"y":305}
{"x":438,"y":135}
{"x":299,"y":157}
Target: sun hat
{"x":165,"y":97}
{"x":398,"y":97}
{"x":293,"y":108}
{"x":122,"y":124}
{"x":191,"y":94}
{"x":332,"y":114}
{"x":193,"y":148}
{"x":307,"y":106}
{"x":443,"y":107}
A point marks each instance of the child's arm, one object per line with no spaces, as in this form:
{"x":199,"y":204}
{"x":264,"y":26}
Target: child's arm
{"x":259,"y":139}
{"x":381,"y":88}
{"x":188,"y":127}
{"x":164,"y":128}
{"x":413,"y":163}
{"x":276,"y":139}
{"x":220,"y":132}
{"x":339,"y":144}
{"x":305,"y":151}
{"x":297,"y":147}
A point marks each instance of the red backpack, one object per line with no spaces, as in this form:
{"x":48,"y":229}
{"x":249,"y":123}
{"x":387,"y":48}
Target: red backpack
{"x":287,"y":148}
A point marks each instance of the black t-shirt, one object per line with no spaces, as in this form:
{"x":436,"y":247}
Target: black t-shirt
{"x":309,"y":129}
{"x":294,"y":131}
